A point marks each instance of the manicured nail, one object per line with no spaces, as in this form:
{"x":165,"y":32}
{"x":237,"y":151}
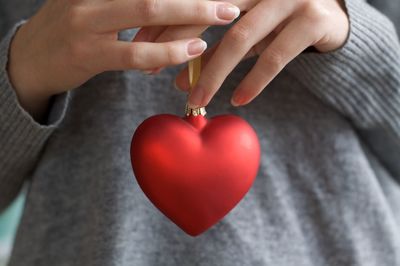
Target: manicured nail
{"x":152,"y":71}
{"x":141,"y":36}
{"x":227,"y":11}
{"x":196,"y":98}
{"x":196,"y":47}
{"x":180,"y":88}
{"x":176,"y":86}
{"x":156,"y":70}
{"x":147,"y":72}
{"x":236,"y":100}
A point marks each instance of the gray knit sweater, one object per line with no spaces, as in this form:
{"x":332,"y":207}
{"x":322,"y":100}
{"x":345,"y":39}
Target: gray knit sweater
{"x":327,"y":192}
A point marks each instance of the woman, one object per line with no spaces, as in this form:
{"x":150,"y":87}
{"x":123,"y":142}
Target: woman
{"x":327,"y":191}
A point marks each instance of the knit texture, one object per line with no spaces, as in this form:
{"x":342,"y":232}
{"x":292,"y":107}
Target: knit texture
{"x":365,"y":63}
{"x":331,"y":75}
{"x":22,"y":138}
{"x":326,"y":192}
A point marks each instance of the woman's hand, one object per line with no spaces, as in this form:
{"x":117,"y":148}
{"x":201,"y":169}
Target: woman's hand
{"x":276,"y":30}
{"x":67,"y":42}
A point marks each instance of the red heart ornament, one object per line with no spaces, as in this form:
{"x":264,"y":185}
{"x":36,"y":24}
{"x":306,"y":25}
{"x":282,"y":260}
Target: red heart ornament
{"x":195,"y":170}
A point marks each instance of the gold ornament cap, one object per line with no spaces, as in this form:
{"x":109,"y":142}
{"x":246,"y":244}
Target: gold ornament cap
{"x":195,"y":111}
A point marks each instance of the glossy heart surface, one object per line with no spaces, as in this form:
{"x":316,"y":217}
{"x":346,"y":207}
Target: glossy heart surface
{"x":195,"y":170}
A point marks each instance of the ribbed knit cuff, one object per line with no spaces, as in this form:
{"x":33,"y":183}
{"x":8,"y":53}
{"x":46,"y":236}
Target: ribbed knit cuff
{"x":21,"y":137}
{"x":362,"y":79}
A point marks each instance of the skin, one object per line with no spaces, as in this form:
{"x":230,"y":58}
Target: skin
{"x":69,"y":41}
{"x":274,"y":30}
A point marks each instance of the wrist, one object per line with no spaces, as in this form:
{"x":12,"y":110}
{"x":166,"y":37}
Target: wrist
{"x":31,"y":93}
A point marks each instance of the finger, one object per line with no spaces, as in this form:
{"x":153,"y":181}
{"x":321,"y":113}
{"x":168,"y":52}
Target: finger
{"x":156,"y":34}
{"x":125,"y":14}
{"x":235,"y":45}
{"x":186,"y":33}
{"x":293,"y":39}
{"x":244,"y":5}
{"x":259,"y":47}
{"x":122,"y":55}
{"x":147,"y":34}
{"x":180,"y":32}
{"x":182,"y":79}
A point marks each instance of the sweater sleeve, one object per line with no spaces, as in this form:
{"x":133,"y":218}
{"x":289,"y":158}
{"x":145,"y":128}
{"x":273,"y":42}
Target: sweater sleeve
{"x":21,"y":137}
{"x":362,"y":80}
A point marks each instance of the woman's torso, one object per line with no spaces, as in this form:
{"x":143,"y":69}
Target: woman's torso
{"x":319,"y":198}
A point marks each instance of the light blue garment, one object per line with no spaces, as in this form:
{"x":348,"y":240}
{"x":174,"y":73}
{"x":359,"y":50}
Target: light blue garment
{"x":9,"y":219}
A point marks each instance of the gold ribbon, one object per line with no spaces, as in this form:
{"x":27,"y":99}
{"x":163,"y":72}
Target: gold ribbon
{"x":194,"y":71}
{"x":194,"y":74}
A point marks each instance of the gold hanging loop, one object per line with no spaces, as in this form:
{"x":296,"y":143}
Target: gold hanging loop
{"x":194,"y":74}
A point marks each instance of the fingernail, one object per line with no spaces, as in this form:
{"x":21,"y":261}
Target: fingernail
{"x":176,"y":86}
{"x":236,"y":100}
{"x":152,"y":71}
{"x":196,"y":98}
{"x":196,"y":47}
{"x":141,"y":36}
{"x":147,"y":72}
{"x":227,"y":11}
{"x":157,"y":70}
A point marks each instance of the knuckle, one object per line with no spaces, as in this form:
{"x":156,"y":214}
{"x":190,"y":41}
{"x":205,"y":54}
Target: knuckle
{"x":173,"y":55}
{"x":303,"y":3}
{"x":239,"y":34}
{"x":274,"y":60}
{"x":76,"y":17}
{"x":76,"y":49}
{"x":315,"y":13}
{"x":74,"y":2}
{"x":210,"y":82}
{"x":132,"y":58}
{"x":77,"y":55}
{"x":202,"y":12}
{"x":149,"y":9}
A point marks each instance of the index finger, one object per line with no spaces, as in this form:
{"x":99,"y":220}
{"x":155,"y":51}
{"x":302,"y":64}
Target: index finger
{"x":235,"y":45}
{"x":125,"y":14}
